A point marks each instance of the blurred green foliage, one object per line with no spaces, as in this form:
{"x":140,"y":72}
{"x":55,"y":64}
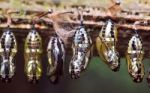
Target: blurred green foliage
{"x":100,"y":79}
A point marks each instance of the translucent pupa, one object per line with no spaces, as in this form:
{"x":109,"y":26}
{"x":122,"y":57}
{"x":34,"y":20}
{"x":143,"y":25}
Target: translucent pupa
{"x":8,"y":50}
{"x":106,"y":45}
{"x":32,"y":55}
{"x":134,"y":57}
{"x":82,"y":51}
{"x":56,"y":58}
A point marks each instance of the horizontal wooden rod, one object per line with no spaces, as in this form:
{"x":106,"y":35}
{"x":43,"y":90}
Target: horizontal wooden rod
{"x":86,"y":23}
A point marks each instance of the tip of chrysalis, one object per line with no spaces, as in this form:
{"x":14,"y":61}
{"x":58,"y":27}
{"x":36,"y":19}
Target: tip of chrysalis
{"x":33,"y":80}
{"x":6,"y":79}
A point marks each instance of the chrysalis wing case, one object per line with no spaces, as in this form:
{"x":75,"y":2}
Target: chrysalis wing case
{"x":8,"y":49}
{"x":82,"y":46}
{"x":56,"y":58}
{"x":134,"y":58}
{"x":106,"y":45}
{"x":33,"y":50}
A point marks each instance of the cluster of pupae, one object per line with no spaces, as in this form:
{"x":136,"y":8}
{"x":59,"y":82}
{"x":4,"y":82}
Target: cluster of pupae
{"x":82,"y":51}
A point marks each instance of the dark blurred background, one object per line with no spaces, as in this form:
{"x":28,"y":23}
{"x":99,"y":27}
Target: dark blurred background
{"x":98,"y":78}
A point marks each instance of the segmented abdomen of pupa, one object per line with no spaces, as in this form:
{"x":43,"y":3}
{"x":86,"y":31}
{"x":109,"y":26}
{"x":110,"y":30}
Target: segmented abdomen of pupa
{"x":34,"y":40}
{"x":82,"y":44}
{"x":56,"y":58}
{"x":7,"y":43}
{"x":56,"y":46}
{"x":82,"y":38}
{"x":109,"y":33}
{"x":135,"y":44}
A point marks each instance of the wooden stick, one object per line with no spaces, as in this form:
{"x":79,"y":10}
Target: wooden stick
{"x":26,"y":25}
